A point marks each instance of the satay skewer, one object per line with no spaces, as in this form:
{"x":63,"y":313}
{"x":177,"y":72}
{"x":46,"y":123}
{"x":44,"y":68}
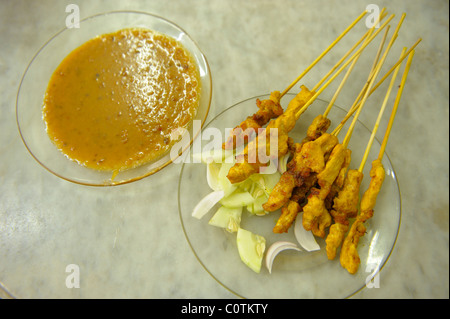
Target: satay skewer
{"x":316,"y":217}
{"x":345,"y":203}
{"x":349,"y":257}
{"x":341,"y":212}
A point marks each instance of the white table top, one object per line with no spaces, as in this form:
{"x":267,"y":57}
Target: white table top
{"x":128,"y":240}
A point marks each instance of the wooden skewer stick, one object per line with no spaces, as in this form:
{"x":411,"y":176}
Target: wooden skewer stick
{"x":354,"y":108}
{"x":377,"y":70}
{"x":366,"y":36}
{"x":396,"y":103}
{"x":372,"y":76}
{"x":323,"y":53}
{"x":380,"y":115}
{"x":364,"y":89}
{"x":307,"y":104}
{"x":369,"y":32}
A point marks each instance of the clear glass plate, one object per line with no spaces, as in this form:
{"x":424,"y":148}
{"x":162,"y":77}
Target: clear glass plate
{"x":294,"y":274}
{"x":37,"y":75}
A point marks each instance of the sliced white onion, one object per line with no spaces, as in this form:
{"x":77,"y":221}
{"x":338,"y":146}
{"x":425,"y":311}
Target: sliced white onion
{"x":212,"y":176}
{"x":207,"y":202}
{"x":305,"y":238}
{"x":275,"y":249}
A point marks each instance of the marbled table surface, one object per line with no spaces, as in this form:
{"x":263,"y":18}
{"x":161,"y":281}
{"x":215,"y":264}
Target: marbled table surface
{"x":128,"y":240}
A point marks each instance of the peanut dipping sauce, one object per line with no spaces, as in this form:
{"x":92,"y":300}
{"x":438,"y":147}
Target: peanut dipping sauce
{"x":113,"y":102}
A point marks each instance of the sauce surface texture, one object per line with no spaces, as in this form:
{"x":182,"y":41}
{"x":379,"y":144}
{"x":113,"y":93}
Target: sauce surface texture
{"x":113,"y":102}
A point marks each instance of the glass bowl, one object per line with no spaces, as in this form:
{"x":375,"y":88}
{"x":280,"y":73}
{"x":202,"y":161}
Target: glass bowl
{"x":294,"y":274}
{"x":37,"y":75}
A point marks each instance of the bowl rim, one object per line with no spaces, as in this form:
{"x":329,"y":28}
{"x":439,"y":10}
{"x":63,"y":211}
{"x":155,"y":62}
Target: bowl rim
{"x":152,"y":171}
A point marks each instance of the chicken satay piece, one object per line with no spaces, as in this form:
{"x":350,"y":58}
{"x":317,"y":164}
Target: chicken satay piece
{"x":369,"y":199}
{"x":308,"y":159}
{"x":337,"y":230}
{"x":248,"y":163}
{"x":333,"y":166}
{"x":313,"y":153}
{"x":339,"y":182}
{"x":345,"y":206}
{"x":282,"y":125}
{"x":336,"y":233}
{"x":335,"y":237}
{"x":267,"y":110}
{"x":348,"y":198}
{"x":300,"y":100}
{"x":349,"y":258}
{"x":284,"y":187}
{"x":315,"y":219}
{"x":319,"y":126}
{"x":286,"y":219}
{"x":288,"y":213}
{"x":281,"y":193}
{"x":299,"y":193}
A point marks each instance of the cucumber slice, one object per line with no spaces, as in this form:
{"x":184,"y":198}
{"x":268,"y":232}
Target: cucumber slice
{"x":245,"y":185}
{"x":237,"y":199}
{"x":228,"y":218}
{"x":251,"y":249}
{"x":258,"y":205}
{"x":270,"y":181}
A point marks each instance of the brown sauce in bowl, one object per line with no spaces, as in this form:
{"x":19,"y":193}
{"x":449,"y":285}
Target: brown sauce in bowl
{"x":113,"y":102}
